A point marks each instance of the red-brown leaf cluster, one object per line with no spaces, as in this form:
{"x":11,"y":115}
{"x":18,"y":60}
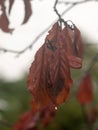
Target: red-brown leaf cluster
{"x":4,"y":19}
{"x":49,"y":78}
{"x":85,"y":91}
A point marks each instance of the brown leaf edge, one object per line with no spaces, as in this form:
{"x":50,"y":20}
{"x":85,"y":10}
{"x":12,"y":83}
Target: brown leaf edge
{"x":4,"y":21}
{"x":11,"y":2}
{"x":28,"y":10}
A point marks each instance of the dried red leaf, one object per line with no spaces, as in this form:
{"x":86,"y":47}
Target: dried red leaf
{"x":28,"y":10}
{"x":36,"y":78}
{"x":85,"y":91}
{"x":11,"y":2}
{"x":30,"y":119}
{"x":75,"y":62}
{"x":58,"y":76}
{"x":4,"y":22}
{"x":41,"y":100}
{"x":74,"y":46}
{"x":27,"y":122}
{"x":49,"y":79}
{"x":78,"y":43}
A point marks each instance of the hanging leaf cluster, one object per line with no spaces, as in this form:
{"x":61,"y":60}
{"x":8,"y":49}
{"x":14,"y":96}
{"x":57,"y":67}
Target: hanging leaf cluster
{"x":4,"y":19}
{"x":49,"y":79}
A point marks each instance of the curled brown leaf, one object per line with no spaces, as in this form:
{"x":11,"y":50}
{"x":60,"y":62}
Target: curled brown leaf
{"x":74,"y":46}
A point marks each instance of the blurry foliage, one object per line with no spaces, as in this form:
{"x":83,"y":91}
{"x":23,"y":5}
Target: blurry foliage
{"x":15,"y":99}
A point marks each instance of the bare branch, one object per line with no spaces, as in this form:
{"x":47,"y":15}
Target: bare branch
{"x":28,"y":47}
{"x":75,"y":3}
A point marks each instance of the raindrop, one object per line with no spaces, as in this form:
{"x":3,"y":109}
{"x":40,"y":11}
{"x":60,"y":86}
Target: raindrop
{"x":56,"y":108}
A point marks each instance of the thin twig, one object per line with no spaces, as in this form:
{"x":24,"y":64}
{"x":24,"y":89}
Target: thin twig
{"x":75,"y":3}
{"x":28,"y":47}
{"x":55,"y":9}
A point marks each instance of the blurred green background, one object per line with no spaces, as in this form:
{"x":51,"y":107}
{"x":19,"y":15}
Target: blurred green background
{"x":15,"y":99}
